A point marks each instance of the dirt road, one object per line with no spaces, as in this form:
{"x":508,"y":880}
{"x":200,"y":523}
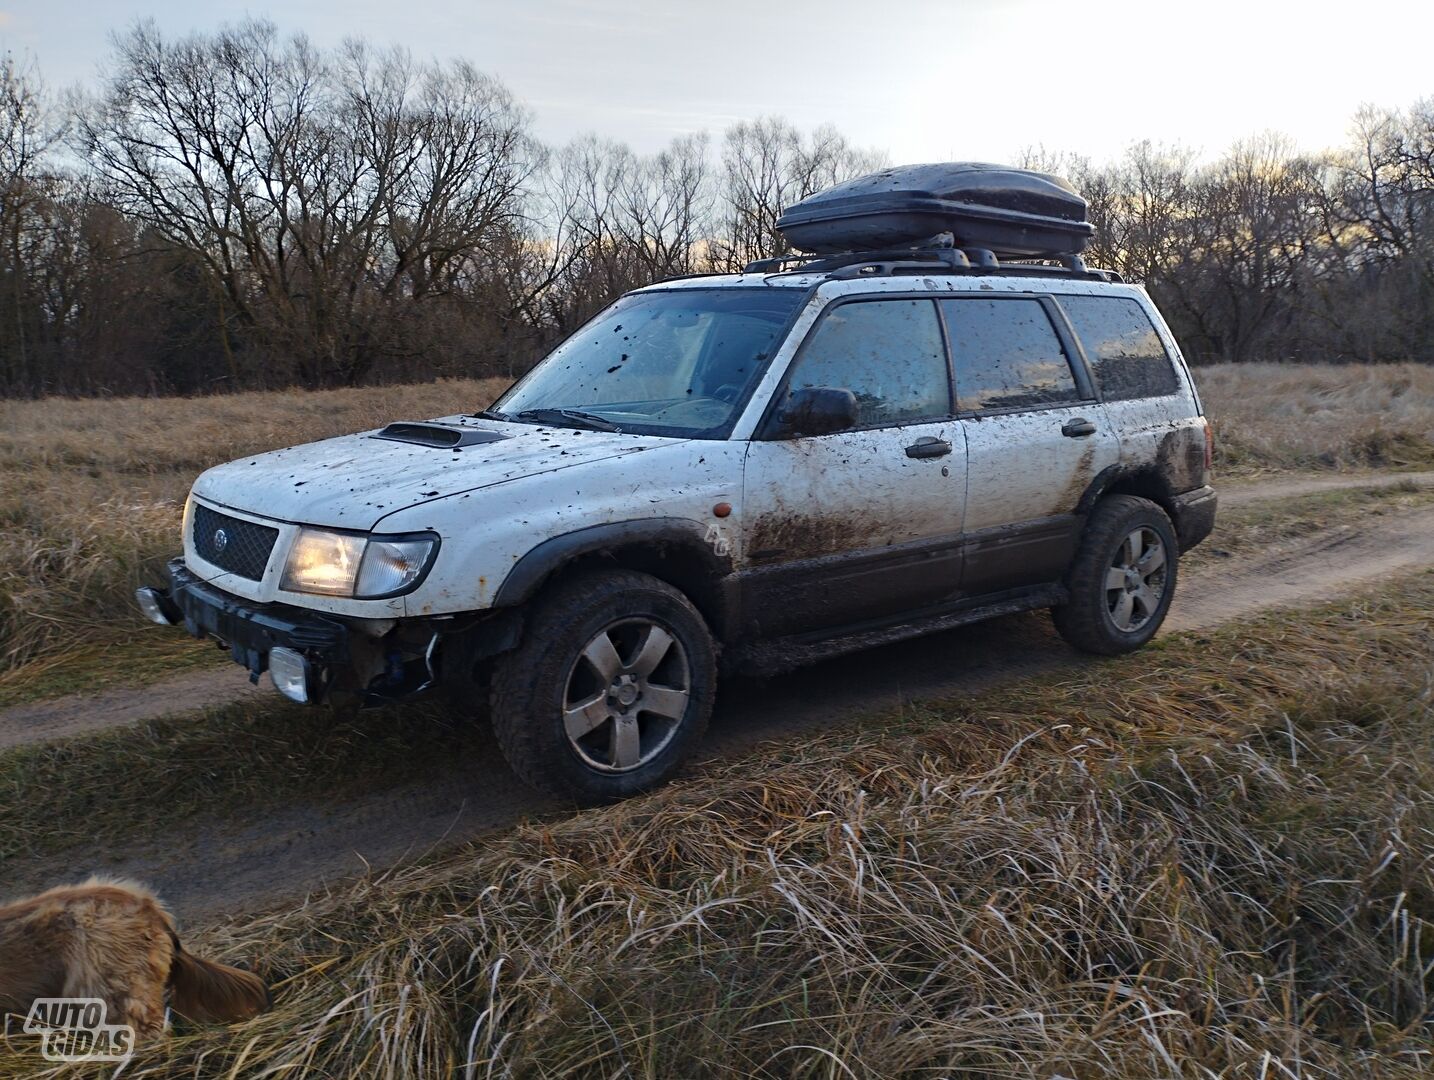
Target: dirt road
{"x":1242,"y":493}
{"x":210,"y":869}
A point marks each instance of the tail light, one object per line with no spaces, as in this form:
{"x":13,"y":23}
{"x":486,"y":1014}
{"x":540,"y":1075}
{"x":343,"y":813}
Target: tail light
{"x":1209,"y":447}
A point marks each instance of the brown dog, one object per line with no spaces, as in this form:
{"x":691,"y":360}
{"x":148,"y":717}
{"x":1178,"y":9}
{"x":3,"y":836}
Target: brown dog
{"x":114,"y":941}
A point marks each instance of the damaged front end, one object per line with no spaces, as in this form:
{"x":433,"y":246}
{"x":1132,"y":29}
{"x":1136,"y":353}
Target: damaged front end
{"x":312,"y":657}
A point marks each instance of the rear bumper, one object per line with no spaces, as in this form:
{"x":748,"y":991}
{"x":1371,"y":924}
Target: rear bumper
{"x":1195,"y":516}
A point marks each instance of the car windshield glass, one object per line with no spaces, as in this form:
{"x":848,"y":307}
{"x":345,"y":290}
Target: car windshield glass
{"x":675,"y":362}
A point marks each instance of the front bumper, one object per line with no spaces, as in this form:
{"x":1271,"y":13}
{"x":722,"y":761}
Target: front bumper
{"x":251,"y":630}
{"x":314,"y":651}
{"x":330,"y":657}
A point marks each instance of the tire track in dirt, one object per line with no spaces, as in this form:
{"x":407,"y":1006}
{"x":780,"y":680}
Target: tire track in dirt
{"x":1279,"y":487}
{"x":1312,"y":568}
{"x":75,"y":714}
{"x":209,"y":869}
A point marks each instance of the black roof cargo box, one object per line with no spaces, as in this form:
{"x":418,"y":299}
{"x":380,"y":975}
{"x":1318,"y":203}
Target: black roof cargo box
{"x":1012,"y":212}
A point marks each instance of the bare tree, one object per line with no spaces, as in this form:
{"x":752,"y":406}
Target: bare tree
{"x":29,"y":129}
{"x":246,"y":209}
{"x":327,"y":195}
{"x":768,"y":166}
{"x":623,"y":221}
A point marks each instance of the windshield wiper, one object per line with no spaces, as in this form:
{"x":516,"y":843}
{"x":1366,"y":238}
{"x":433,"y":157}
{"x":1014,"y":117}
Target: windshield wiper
{"x":571,"y":416}
{"x":490,"y":414}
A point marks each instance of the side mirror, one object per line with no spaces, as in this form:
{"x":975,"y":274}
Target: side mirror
{"x":819,"y":410}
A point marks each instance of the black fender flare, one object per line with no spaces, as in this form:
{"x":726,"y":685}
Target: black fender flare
{"x":1157,"y":487}
{"x":535,"y":567}
{"x":1097,"y":487}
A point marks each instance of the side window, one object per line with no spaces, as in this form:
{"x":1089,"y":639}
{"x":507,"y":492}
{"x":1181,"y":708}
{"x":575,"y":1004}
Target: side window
{"x":1127,"y":355}
{"x":1006,"y":354}
{"x":888,"y":353}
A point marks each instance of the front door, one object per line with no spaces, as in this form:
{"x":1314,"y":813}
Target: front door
{"x":1035,"y":438}
{"x":858,"y":525}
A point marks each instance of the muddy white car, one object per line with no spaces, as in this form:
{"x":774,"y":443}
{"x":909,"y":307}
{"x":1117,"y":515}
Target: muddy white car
{"x":747,"y":471}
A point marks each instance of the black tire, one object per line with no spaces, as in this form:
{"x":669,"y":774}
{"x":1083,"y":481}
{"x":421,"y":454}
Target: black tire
{"x":549,"y":674}
{"x":1091,"y":620}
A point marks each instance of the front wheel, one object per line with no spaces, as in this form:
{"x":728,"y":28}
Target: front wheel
{"x":1123,"y":577}
{"x":610,"y":689}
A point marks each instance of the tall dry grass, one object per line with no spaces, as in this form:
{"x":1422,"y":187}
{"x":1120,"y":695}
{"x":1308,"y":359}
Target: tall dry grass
{"x":91,"y":491}
{"x":1273,"y":417}
{"x":1214,"y":859}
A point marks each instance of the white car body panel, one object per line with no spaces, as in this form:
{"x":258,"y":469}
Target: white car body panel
{"x":484,"y":533}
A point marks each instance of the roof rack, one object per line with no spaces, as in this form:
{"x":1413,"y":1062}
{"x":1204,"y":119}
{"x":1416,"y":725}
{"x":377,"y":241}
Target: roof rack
{"x":938,"y":254}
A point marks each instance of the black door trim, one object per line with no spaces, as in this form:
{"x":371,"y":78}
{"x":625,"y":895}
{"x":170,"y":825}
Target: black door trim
{"x":791,"y":596}
{"x":1033,"y":552}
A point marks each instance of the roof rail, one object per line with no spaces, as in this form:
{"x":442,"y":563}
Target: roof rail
{"x":942,"y":259}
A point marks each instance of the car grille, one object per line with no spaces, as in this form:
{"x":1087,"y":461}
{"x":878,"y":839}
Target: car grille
{"x":239,"y":546}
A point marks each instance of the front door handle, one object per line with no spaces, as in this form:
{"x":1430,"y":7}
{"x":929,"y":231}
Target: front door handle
{"x":1077,"y":428}
{"x":928,"y":446}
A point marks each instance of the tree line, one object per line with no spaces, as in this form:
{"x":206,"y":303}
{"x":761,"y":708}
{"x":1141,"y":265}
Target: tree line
{"x":245,"y":210}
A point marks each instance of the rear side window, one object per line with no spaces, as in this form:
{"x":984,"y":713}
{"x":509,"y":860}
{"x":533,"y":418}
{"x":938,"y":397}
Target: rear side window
{"x":1127,"y":355}
{"x":1006,"y":355}
{"x":888,"y":353}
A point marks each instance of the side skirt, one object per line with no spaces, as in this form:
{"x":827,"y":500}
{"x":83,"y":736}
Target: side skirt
{"x":772,"y":656}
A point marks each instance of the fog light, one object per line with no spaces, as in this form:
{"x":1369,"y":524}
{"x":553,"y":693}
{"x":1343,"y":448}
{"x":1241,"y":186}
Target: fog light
{"x":152,"y":604}
{"x":290,"y":672}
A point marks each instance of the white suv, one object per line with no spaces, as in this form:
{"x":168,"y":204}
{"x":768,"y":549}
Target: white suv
{"x":763,"y":469}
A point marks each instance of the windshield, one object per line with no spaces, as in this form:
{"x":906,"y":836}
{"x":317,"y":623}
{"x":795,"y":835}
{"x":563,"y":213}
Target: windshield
{"x":677,"y":362}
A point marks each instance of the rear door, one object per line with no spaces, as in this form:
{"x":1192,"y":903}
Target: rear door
{"x":861,"y":524}
{"x":1035,"y":437}
{"x":1146,"y":402}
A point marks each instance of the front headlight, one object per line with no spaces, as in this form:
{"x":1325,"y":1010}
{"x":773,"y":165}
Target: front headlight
{"x":323,"y":562}
{"x":345,"y":564}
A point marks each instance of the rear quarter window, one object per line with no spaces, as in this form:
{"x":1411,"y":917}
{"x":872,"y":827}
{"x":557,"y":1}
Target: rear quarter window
{"x":1126,"y":355}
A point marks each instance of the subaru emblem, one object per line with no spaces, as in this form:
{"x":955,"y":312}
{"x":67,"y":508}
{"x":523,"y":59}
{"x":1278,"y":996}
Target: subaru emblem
{"x":221,"y":539}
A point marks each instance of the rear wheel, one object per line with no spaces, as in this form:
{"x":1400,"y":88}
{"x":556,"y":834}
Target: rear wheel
{"x":611,"y":687}
{"x":1123,"y":577}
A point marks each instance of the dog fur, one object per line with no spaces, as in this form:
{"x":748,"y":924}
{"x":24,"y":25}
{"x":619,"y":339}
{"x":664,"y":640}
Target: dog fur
{"x":114,"y":940}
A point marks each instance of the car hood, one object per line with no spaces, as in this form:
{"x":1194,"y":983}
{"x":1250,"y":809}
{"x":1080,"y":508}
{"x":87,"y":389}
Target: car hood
{"x":354,"y":481}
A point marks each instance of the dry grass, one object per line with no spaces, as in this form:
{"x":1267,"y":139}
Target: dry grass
{"x":95,"y":665}
{"x":1211,"y":859}
{"x":1273,"y":417}
{"x":91,"y":491}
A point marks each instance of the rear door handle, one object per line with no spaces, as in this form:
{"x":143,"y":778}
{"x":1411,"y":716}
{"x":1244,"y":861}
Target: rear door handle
{"x":1077,"y":428}
{"x":929,"y":446}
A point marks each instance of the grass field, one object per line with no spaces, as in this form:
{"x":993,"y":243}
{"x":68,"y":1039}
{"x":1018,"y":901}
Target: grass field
{"x":1275,"y":417}
{"x":91,"y":490}
{"x":1213,"y":858}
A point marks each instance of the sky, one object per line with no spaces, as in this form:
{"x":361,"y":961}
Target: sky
{"x":923,"y":80}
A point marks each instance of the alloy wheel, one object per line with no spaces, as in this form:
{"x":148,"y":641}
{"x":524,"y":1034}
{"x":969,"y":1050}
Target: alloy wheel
{"x":626,"y":695}
{"x":1136,"y":580}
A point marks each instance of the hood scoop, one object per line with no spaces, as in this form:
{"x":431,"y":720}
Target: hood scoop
{"x":437,"y":435}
